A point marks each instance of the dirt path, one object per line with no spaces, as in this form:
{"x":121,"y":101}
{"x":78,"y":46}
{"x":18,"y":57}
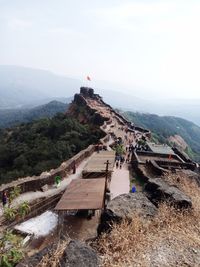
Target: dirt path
{"x":120,"y":181}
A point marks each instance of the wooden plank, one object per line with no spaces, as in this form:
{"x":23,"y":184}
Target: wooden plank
{"x":83,"y":194}
{"x":97,"y":162}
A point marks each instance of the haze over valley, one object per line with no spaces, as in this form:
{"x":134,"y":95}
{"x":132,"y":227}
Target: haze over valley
{"x":22,"y":87}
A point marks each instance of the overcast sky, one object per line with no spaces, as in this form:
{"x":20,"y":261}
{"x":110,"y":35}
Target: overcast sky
{"x":147,"y":47}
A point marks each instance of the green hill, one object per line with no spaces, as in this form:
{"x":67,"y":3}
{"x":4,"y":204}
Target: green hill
{"x":163,"y":127}
{"x":11,"y":117}
{"x":31,"y":148}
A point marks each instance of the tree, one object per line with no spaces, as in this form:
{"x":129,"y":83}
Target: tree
{"x":32,"y":148}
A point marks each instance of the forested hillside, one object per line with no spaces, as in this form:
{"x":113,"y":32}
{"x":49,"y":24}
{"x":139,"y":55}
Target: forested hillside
{"x":165,"y":126}
{"x":39,"y":146}
{"x":11,"y":117}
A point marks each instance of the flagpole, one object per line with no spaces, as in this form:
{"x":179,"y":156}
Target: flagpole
{"x":88,"y":79}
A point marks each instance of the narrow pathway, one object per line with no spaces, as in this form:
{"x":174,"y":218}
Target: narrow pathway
{"x":30,"y":196}
{"x":120,"y":181}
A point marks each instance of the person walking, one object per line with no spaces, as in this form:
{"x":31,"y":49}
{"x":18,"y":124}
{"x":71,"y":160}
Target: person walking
{"x":120,"y":165}
{"x":121,"y":161}
{"x":117,"y":164}
{"x":4,"y":198}
{"x":74,"y":167}
{"x":57,"y":181}
{"x":128,"y":157}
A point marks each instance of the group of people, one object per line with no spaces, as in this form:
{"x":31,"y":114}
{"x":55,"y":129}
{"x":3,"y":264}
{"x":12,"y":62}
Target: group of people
{"x":124,"y":156}
{"x":124,"y":153}
{"x":130,"y":148}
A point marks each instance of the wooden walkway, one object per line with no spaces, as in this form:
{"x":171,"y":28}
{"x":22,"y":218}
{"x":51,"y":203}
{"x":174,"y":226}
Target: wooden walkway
{"x":83,"y":194}
{"x":96,"y":166}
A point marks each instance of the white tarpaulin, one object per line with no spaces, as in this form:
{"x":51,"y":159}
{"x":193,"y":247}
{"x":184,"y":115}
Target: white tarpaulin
{"x":41,"y":225}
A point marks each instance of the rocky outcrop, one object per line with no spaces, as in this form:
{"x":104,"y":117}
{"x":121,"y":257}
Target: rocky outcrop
{"x":192,"y":175}
{"x":83,"y":111}
{"x":78,"y":254}
{"x":157,"y":190}
{"x":177,"y":140}
{"x":36,"y":258}
{"x":155,"y":168}
{"x":126,"y":206}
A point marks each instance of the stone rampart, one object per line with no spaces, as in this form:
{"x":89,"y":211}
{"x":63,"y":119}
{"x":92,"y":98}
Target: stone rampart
{"x":158,"y":190}
{"x":156,"y":168}
{"x":35,"y":183}
{"x":182,"y":155}
{"x":125,"y":121}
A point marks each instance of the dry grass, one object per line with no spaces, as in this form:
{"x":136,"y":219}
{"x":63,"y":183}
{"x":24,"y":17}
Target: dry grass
{"x":172,"y":238}
{"x":187,"y":185}
{"x":52,"y":259}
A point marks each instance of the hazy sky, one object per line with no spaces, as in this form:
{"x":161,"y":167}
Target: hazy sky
{"x":148,"y":47}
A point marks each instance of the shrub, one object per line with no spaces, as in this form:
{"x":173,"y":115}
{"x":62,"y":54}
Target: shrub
{"x":10,"y":249}
{"x":10,"y":213}
{"x":23,"y":209}
{"x":14,"y":193}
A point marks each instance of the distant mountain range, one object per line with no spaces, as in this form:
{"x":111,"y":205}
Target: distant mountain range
{"x":22,"y":87}
{"x":12,"y":117}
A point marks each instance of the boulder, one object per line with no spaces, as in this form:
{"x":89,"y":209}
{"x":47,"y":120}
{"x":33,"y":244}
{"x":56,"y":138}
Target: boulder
{"x":157,"y":190}
{"x":125,"y":207}
{"x":78,"y":254}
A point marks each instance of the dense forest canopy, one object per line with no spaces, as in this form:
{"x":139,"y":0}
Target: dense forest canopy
{"x":31,"y":148}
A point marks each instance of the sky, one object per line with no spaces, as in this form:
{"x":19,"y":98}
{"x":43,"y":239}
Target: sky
{"x":147,"y":48}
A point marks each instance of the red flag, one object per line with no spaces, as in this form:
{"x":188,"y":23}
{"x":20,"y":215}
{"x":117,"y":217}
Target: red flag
{"x":88,"y":78}
{"x":170,"y":156}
